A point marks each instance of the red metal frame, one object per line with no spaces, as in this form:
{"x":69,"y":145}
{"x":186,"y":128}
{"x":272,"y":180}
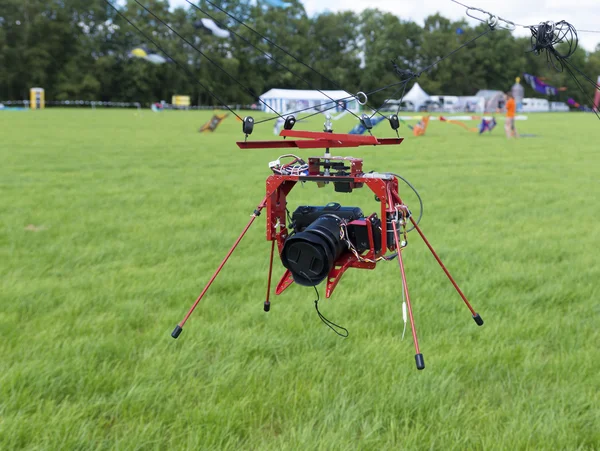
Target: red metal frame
{"x":385,"y":188}
{"x":319,"y":140}
{"x":278,"y":188}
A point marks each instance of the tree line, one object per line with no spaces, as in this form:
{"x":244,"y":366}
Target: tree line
{"x":79,"y":50}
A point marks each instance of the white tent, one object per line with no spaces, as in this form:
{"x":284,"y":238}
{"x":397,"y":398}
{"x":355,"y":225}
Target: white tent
{"x":288,"y":100}
{"x":471,"y":104}
{"x":494,"y":99}
{"x":416,"y":96}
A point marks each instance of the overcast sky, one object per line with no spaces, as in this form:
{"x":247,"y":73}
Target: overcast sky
{"x":584,"y":16}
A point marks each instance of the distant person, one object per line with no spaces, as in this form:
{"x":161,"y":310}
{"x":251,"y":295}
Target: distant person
{"x":511,"y":108}
{"x":518,"y":92}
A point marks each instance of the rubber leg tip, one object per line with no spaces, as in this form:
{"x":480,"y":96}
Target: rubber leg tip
{"x":478,"y":319}
{"x":267,"y":306}
{"x":177,"y":331}
{"x":420,"y":361}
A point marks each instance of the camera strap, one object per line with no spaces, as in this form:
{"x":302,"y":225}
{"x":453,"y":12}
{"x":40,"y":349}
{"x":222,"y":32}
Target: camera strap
{"x":333,"y":326}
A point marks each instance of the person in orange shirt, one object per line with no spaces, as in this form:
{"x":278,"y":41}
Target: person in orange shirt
{"x":511,"y":108}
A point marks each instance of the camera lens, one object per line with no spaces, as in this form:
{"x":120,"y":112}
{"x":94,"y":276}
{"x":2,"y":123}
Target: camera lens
{"x":311,"y":254}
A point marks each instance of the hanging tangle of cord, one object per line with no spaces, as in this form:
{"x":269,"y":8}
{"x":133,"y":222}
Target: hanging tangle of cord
{"x":558,"y":40}
{"x":548,"y":35}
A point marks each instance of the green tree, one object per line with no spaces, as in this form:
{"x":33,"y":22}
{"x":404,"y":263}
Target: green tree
{"x":385,"y":38}
{"x":79,"y":50}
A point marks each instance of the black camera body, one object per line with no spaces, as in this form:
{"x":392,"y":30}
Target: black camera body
{"x":321,"y":235}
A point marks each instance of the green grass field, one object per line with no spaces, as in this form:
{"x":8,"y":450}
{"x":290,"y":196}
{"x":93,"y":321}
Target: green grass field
{"x":112,"y":222}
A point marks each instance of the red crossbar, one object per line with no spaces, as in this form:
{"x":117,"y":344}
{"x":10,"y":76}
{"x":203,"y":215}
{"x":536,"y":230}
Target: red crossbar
{"x":320,"y":140}
{"x":367,"y":139}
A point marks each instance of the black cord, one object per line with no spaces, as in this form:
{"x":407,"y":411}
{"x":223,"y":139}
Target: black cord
{"x":455,"y":50}
{"x":185,"y":69}
{"x":546,"y":36}
{"x":265,"y":54}
{"x":595,"y":110}
{"x":273,"y":44}
{"x":327,"y":322}
{"x":248,"y":90}
{"x":431,"y":65}
{"x":403,"y":82}
{"x":418,"y":197}
{"x":593,"y":83}
{"x":400,"y":101}
{"x":310,"y":108}
{"x":404,"y":74}
{"x":401,"y":88}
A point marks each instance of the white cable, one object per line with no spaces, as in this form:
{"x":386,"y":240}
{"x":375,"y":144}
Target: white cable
{"x":404,"y":316}
{"x":403,"y":302}
{"x":493,"y":20}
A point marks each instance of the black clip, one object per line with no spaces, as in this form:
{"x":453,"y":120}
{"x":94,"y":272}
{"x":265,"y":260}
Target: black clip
{"x":289,"y":123}
{"x":248,"y":125}
{"x":366,"y":122}
{"x":394,"y":123}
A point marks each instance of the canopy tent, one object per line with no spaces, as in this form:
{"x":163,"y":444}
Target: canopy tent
{"x":417,"y":96}
{"x":494,"y":100}
{"x":289,"y":100}
{"x":471,"y":104}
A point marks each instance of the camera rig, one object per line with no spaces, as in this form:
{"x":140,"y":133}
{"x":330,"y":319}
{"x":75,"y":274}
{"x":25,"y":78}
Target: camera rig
{"x":322,"y":242}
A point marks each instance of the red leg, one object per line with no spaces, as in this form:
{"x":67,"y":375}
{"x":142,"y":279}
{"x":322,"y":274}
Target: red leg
{"x":476,"y":316}
{"x":418,"y":355}
{"x":177,"y":331}
{"x":267,"y":302}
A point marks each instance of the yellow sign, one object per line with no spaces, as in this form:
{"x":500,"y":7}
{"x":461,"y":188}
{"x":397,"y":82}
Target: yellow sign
{"x":181,"y":101}
{"x":37,"y":99}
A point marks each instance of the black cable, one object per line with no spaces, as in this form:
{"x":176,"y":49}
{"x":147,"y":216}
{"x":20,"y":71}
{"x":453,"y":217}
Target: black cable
{"x":595,"y":110}
{"x":327,"y":322}
{"x":434,"y":63}
{"x":309,"y":108}
{"x":390,"y":85}
{"x":400,"y":101}
{"x":310,"y":115}
{"x":418,"y":197}
{"x":270,"y":42}
{"x":207,"y":57}
{"x":267,"y":55}
{"x":546,"y":36}
{"x":185,"y":69}
{"x":401,"y":88}
{"x":455,"y":50}
{"x":592,"y":82}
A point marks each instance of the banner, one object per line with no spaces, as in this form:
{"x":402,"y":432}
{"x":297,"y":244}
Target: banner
{"x":574,"y":104}
{"x":540,"y":86}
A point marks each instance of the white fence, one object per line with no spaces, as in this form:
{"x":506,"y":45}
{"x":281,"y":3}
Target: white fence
{"x":98,"y":104}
